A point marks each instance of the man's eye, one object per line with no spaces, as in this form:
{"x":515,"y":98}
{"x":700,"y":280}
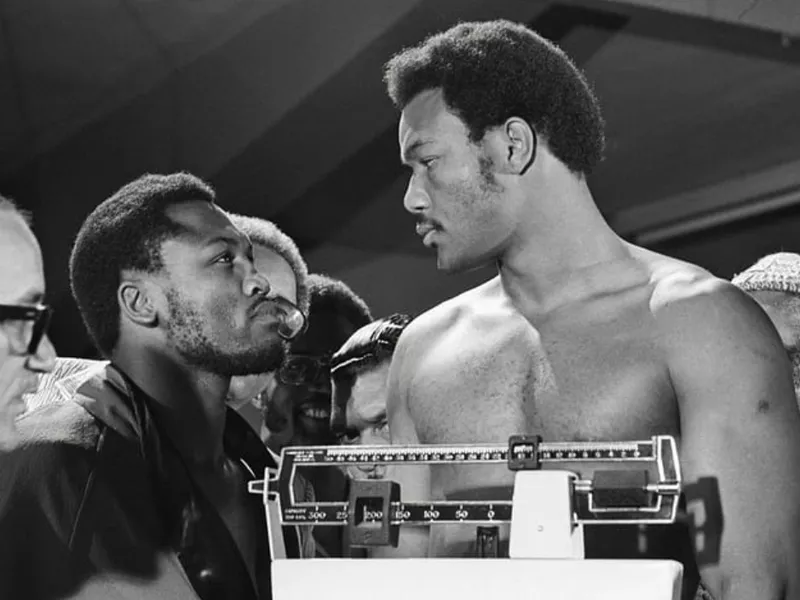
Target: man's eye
{"x":427,"y":162}
{"x":225,"y":257}
{"x":349,"y":436}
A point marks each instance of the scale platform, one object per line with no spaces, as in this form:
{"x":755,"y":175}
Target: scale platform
{"x":476,"y":579}
{"x":558,"y":488}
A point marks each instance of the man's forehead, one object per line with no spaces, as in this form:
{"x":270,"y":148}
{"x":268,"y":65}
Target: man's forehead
{"x":776,"y":298}
{"x":427,"y":115}
{"x":200,"y":219}
{"x":21,"y":271}
{"x":368,"y":394}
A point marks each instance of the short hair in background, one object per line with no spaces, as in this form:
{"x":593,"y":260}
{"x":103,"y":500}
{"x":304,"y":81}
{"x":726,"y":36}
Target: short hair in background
{"x":367,"y":348}
{"x":491,"y":71}
{"x":333,"y":296}
{"x":268,"y":235}
{"x":126,"y":231}
{"x":8,"y":205}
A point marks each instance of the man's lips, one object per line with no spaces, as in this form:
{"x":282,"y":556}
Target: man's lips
{"x":424,"y":228}
{"x":263,"y":308}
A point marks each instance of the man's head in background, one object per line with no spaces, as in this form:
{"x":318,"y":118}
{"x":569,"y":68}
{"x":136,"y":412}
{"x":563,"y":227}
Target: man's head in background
{"x":774,"y":282}
{"x":359,"y":373}
{"x":298,"y":411}
{"x":277,"y":258}
{"x":25,"y":349}
{"x":159,"y":270}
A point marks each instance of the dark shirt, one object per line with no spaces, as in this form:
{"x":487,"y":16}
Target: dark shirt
{"x":96,"y":503}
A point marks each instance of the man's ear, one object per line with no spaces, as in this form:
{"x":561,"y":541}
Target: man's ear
{"x":136,"y":302}
{"x":521,"y":145}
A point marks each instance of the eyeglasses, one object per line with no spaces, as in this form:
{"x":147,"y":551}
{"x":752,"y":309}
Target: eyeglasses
{"x":38,"y":313}
{"x":306,"y":370}
{"x":292,"y":322}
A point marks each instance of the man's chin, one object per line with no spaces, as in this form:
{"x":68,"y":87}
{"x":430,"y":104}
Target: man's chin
{"x":253,"y":363}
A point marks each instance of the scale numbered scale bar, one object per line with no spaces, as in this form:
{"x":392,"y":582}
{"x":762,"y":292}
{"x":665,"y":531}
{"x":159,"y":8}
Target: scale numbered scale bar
{"x":648,"y":493}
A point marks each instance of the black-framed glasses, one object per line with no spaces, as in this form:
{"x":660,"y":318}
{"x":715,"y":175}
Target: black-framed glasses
{"x":306,"y":370}
{"x":291,"y":320}
{"x":39,"y":314}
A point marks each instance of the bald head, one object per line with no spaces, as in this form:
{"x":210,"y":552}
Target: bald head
{"x":21,"y":285}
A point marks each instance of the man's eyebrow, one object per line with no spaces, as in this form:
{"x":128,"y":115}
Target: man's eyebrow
{"x":412,"y":148}
{"x":229,"y":240}
{"x":376,"y":416}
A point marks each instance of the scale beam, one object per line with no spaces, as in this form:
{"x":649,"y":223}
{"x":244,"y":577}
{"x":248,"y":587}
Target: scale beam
{"x":630,"y":482}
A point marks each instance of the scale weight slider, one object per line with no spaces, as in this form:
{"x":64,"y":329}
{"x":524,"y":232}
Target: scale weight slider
{"x":370,"y":513}
{"x":523,"y":452}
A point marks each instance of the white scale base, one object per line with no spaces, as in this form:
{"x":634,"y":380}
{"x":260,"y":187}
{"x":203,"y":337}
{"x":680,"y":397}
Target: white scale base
{"x":476,"y":579}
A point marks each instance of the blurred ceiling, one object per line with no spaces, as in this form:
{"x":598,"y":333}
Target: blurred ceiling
{"x":280,"y":105}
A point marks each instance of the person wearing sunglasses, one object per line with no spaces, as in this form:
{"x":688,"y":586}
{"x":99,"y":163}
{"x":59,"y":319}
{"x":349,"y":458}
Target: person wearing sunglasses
{"x":298,"y":409}
{"x":298,"y":403}
{"x":25,"y":349}
{"x":136,"y":485}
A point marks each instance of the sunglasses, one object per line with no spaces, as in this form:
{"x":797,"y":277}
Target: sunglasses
{"x":292,"y":322}
{"x":38,"y":313}
{"x":305,"y":370}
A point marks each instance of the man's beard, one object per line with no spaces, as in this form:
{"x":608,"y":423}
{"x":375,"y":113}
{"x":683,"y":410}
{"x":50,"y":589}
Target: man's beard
{"x":186,"y":330}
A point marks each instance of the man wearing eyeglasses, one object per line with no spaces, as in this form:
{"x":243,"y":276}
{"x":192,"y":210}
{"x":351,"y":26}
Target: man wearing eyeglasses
{"x":298,"y":410}
{"x":25,"y":350}
{"x":298,"y":405}
{"x":136,"y":485}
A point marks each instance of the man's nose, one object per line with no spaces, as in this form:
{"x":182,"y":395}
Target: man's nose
{"x":370,"y":437}
{"x":416,"y":198}
{"x":44,"y":359}
{"x":255,"y":284}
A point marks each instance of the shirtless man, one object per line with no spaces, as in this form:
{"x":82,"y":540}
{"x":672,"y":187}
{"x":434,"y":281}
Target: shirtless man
{"x":500,"y":131}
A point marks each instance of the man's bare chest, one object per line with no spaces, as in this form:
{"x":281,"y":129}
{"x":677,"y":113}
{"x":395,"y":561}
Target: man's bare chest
{"x":596,"y":379}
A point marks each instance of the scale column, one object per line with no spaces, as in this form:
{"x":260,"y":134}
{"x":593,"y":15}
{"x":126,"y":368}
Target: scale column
{"x":542,"y":516}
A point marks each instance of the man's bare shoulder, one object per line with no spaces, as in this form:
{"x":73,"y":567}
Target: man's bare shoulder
{"x":690,"y":303}
{"x":486,"y":300}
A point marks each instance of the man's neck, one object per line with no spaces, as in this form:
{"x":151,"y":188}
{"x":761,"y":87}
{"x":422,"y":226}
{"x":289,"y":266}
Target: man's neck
{"x":188,"y":404}
{"x":564,"y":251}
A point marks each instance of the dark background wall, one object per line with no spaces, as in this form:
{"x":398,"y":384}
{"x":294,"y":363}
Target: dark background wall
{"x":280,"y":105}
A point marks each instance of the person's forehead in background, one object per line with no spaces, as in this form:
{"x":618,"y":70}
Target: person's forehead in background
{"x":278,"y":271}
{"x":367,"y":402}
{"x":783,"y":309}
{"x":21,"y":269}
